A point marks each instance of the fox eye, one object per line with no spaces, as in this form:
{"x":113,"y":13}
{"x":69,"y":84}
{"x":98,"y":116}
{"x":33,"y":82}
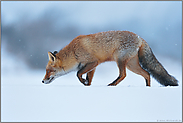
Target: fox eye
{"x":51,"y":71}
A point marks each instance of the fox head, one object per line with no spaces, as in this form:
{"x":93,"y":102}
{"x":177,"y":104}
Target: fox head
{"x":53,"y":68}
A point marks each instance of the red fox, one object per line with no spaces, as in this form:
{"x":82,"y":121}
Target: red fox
{"x":126,"y":48}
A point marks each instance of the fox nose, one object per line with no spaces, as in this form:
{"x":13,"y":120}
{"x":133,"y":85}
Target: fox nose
{"x":42,"y":81}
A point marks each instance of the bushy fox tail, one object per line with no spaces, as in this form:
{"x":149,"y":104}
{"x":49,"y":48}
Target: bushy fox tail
{"x":150,"y":64}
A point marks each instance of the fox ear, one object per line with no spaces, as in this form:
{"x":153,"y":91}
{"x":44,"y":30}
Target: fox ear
{"x":55,"y":52}
{"x":52,"y":57}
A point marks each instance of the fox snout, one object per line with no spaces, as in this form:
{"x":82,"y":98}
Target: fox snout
{"x":48,"y":80}
{"x":43,"y":81}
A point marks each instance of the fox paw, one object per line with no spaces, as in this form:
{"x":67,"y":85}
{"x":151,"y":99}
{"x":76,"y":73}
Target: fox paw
{"x":111,"y":84}
{"x":86,"y":82}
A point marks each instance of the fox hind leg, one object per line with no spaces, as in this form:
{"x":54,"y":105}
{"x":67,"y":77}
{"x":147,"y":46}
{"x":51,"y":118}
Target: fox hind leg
{"x":122,"y":72}
{"x":134,"y":66}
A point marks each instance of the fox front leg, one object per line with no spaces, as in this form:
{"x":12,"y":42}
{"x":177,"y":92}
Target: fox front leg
{"x":90,"y":68}
{"x":89,"y":77}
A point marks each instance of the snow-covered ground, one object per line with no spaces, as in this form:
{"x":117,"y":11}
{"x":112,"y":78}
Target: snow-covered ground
{"x":25,"y":98}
